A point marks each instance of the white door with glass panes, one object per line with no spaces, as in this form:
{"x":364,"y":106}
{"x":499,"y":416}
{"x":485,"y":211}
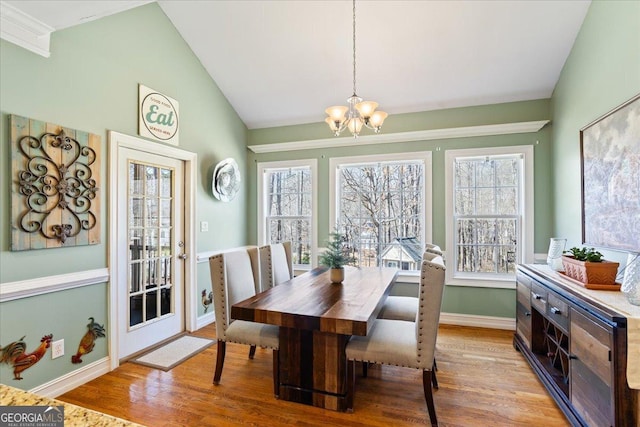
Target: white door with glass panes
{"x":150,"y":233}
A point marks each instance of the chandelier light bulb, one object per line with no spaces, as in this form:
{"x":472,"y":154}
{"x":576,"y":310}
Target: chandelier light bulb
{"x":376,"y":120}
{"x":366,"y":108}
{"x":355,"y":125}
{"x":336,"y":127}
{"x":336,"y":113}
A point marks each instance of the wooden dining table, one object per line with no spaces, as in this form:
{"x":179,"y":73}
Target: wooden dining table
{"x":316,"y":320}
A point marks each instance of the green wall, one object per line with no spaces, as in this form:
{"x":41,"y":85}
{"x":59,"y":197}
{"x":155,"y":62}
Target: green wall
{"x":90,"y":82}
{"x":478,"y":301}
{"x":602,"y":71}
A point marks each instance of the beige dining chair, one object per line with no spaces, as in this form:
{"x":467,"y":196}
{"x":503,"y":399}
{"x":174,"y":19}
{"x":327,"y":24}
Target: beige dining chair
{"x":276,"y":264}
{"x":398,"y":307}
{"x":401,"y":343}
{"x":234,"y":278}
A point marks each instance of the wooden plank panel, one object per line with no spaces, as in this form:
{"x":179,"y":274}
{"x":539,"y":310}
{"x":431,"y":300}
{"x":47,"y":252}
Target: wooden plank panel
{"x":37,"y":240}
{"x":523,"y":324}
{"x":55,"y":214}
{"x":523,"y":295}
{"x":83,"y":140}
{"x":53,"y":168}
{"x":587,"y":345}
{"x":95,"y":232}
{"x":590,"y":396}
{"x":66,"y":158}
{"x":19,"y":129}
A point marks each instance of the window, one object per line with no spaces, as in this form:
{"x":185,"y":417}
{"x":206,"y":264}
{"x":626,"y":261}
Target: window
{"x":489,"y":210}
{"x":382,"y":206}
{"x":287,"y":207}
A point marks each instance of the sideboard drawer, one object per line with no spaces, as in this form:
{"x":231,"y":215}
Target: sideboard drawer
{"x":539,"y":298}
{"x":558,"y":311}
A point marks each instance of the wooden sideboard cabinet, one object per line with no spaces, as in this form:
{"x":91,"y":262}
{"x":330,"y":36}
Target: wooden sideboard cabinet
{"x":577,"y":347}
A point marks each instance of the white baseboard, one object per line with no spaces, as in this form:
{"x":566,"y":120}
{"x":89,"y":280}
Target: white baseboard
{"x":477,"y":321}
{"x":83,"y":375}
{"x":205,"y":319}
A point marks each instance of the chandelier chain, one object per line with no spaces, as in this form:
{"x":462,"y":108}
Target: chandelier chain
{"x":354,"y":47}
{"x":358,"y":113}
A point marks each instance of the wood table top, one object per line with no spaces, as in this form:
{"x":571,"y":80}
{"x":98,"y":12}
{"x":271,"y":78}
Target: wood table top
{"x":310,"y":301}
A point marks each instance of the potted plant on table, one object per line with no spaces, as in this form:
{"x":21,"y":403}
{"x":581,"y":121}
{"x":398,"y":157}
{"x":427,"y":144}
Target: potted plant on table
{"x":335,"y":257}
{"x":588,"y":266}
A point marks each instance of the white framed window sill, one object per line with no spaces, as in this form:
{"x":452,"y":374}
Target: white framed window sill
{"x":408,"y":276}
{"x":496,"y":282}
{"x":299,"y":269}
{"x":413,"y":276}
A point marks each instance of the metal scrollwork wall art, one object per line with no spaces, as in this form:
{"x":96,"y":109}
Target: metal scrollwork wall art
{"x":54,"y":197}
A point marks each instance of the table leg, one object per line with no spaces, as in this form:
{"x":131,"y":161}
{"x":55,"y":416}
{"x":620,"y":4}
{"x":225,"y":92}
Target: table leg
{"x":313,"y":368}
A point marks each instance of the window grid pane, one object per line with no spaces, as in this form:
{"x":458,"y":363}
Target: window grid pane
{"x":487,"y":214}
{"x":380,"y":207}
{"x":289,"y":211}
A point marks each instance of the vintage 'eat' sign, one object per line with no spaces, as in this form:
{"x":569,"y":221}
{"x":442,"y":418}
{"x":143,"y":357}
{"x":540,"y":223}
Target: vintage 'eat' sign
{"x":158,"y":116}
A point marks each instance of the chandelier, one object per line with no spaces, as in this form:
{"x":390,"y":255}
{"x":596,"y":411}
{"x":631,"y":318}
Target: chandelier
{"x":358,"y":113}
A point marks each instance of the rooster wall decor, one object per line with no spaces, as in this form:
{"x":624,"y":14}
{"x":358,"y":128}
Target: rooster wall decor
{"x":88,"y":341}
{"x":14,"y":354}
{"x":206,"y":300}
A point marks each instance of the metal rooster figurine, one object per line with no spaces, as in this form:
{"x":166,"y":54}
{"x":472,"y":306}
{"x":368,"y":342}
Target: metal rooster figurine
{"x":88,"y":341}
{"x":15,"y":354}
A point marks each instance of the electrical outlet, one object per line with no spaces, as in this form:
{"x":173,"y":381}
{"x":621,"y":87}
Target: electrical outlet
{"x":57,"y":349}
{"x":204,"y":226}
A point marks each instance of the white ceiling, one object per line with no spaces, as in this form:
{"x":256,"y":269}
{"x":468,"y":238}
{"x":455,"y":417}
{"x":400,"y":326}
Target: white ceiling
{"x":283,"y":62}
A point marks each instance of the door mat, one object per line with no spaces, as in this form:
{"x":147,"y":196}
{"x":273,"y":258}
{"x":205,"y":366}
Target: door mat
{"x":172,"y":354}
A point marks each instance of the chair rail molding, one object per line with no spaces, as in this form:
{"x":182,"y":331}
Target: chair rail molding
{"x":44,"y":285}
{"x":421,"y":135}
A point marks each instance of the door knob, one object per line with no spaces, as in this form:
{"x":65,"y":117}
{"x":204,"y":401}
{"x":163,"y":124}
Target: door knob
{"x":183,"y":256}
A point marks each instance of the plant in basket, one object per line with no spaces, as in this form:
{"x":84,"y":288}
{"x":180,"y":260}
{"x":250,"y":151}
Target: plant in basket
{"x":588,"y":266}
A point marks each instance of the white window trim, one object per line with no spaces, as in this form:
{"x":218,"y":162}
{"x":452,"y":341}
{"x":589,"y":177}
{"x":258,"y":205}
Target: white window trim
{"x":264,"y":167}
{"x":426,"y":156}
{"x":527,"y":197}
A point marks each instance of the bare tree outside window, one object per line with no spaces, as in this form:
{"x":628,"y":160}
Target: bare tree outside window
{"x":487,"y":214}
{"x":289,"y":210}
{"x":380,"y":212}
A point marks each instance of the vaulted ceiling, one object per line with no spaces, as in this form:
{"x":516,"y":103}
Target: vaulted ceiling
{"x":284,"y":62}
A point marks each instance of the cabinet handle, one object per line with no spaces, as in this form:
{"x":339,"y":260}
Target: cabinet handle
{"x":528,"y":313}
{"x":573,"y":357}
{"x":555,"y":310}
{"x":536,"y":296}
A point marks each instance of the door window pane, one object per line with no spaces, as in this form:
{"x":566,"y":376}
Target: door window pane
{"x":150,"y":242}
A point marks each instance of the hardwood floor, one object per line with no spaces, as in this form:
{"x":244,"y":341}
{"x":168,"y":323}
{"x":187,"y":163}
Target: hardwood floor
{"x":483,"y":382}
